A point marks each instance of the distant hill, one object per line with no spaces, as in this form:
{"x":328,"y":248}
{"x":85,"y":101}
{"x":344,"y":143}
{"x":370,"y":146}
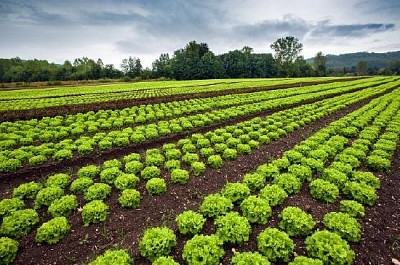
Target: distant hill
{"x":378,"y":60}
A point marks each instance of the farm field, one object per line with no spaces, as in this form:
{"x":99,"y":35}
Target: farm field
{"x":232,"y":171}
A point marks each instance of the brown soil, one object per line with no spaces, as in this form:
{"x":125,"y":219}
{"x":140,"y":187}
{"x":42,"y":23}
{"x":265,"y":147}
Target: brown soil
{"x":124,"y":227}
{"x":13,"y":115}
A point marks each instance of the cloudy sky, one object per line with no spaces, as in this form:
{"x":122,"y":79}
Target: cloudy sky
{"x":113,"y":30}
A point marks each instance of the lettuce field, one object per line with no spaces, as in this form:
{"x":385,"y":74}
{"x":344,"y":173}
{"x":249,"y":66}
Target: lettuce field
{"x":232,"y":171}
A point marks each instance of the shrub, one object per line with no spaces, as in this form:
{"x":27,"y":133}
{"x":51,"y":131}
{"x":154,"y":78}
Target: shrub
{"x":324,"y":190}
{"x":126,"y":181}
{"x":94,"y":212}
{"x":52,"y":231}
{"x":367,"y":178}
{"x":58,"y":180}
{"x":27,"y":190}
{"x":133,"y":167}
{"x":268,"y":171}
{"x":254,"y":181}
{"x":275,"y":245}
{"x":90,"y":171}
{"x":360,"y":192}
{"x":236,"y":192}
{"x":63,"y":206}
{"x":233,"y":228}
{"x":198,"y":168}
{"x":47,"y":196}
{"x":179,"y":176}
{"x":244,"y":258}
{"x":109,"y":175}
{"x":8,"y":250}
{"x":295,"y":222}
{"x":300,"y":260}
{"x":344,"y":225}
{"x":215,"y":205}
{"x":8,"y":206}
{"x":203,"y":250}
{"x":229,"y":154}
{"x":19,"y":223}
{"x":98,"y":191}
{"x":116,"y":256}
{"x":150,"y":172}
{"x":215,"y":161}
{"x":352,"y":208}
{"x":190,"y":158}
{"x":62,"y":155}
{"x":256,"y":210}
{"x":157,"y":242}
{"x":190,"y":222}
{"x":335,"y":177}
{"x":80,"y":185}
{"x":288,"y":182}
{"x":129,"y":198}
{"x":156,"y":186}
{"x":330,"y":248}
{"x":301,"y":172}
{"x":165,"y":261}
{"x":273,"y":194}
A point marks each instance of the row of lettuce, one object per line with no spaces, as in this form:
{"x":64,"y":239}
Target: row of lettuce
{"x":328,"y":162}
{"x":34,"y":155}
{"x":41,"y":98}
{"x":196,"y":153}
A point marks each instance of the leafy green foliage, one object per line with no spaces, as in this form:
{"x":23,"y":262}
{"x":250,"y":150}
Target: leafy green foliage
{"x":256,"y":210}
{"x":344,"y":225}
{"x":63,"y":206}
{"x":275,"y":245}
{"x":300,"y":260}
{"x":47,"y":196}
{"x":293,"y":156}
{"x":288,"y":182}
{"x":94,"y":212}
{"x":58,"y":180}
{"x":37,"y":160}
{"x":335,"y":177}
{"x":352,"y":208}
{"x":360,"y":192}
{"x":157,"y":242}
{"x":165,"y":261}
{"x":229,"y":154}
{"x":150,"y":172}
{"x":215,"y":161}
{"x":244,"y":258}
{"x":203,"y":250}
{"x":190,"y":222}
{"x":236,"y":192}
{"x":233,"y":228}
{"x":53,"y":231}
{"x":198,"y":168}
{"x":115,"y":256}
{"x":8,"y":206}
{"x":215,"y":205}
{"x":98,"y":191}
{"x":243,"y":149}
{"x":296,"y":222}
{"x":19,"y":223}
{"x":27,"y":190}
{"x":10,"y":165}
{"x":273,"y":194}
{"x":367,"y":178}
{"x":254,"y":181}
{"x":324,"y":190}
{"x":126,"y":181}
{"x":378,"y":163}
{"x":8,"y":250}
{"x":112,"y":163}
{"x":190,"y":158}
{"x":90,"y":171}
{"x":170,"y":165}
{"x":179,"y":176}
{"x":330,"y":248}
{"x":80,"y":185}
{"x":156,"y":186}
{"x":62,"y":155}
{"x":268,"y":171}
{"x":133,"y":167}
{"x":301,"y":172}
{"x":129,"y":198}
{"x":108,"y":175}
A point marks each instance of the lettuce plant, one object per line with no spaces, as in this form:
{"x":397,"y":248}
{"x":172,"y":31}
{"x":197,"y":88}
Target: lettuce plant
{"x":62,"y":155}
{"x":80,"y":185}
{"x":58,"y":180}
{"x":352,"y":208}
{"x":94,"y":212}
{"x":19,"y":223}
{"x":53,"y":231}
{"x":229,"y":154}
{"x":108,"y":175}
{"x":114,"y":256}
{"x":296,"y":222}
{"x":233,"y":228}
{"x":98,"y":191}
{"x":179,"y":176}
{"x":150,"y":172}
{"x":236,"y":192}
{"x":8,"y":250}
{"x":256,"y":210}
{"x":367,"y":178}
{"x":203,"y":250}
{"x":288,"y":182}
{"x":198,"y":168}
{"x":215,"y":205}
{"x":8,"y":206}
{"x":268,"y":171}
{"x":126,"y":181}
{"x":275,"y":245}
{"x":156,"y":186}
{"x":378,"y":163}
{"x":157,"y":242}
{"x":47,"y":196}
{"x":190,"y":222}
{"x":273,"y":194}
{"x":133,"y":167}
{"x":189,"y":158}
{"x":63,"y":206}
{"x":254,"y":181}
{"x":344,"y":225}
{"x":335,"y":177}
{"x":360,"y":192}
{"x":90,"y":171}
{"x":165,"y":261}
{"x":324,"y":190}
{"x":301,"y":260}
{"x":129,"y":198}
{"x":215,"y":161}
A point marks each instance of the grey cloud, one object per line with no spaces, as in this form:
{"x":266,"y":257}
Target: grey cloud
{"x":351,"y":30}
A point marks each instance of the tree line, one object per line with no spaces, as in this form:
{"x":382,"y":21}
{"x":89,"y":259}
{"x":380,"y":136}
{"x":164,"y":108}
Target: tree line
{"x":194,"y":61}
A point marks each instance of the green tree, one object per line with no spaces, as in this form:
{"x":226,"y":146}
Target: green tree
{"x":287,"y":50}
{"x":132,"y":67}
{"x":362,"y":68}
{"x":320,"y":64}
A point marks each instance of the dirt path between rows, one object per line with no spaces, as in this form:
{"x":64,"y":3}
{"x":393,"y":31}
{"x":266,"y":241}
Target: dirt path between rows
{"x":124,"y":227}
